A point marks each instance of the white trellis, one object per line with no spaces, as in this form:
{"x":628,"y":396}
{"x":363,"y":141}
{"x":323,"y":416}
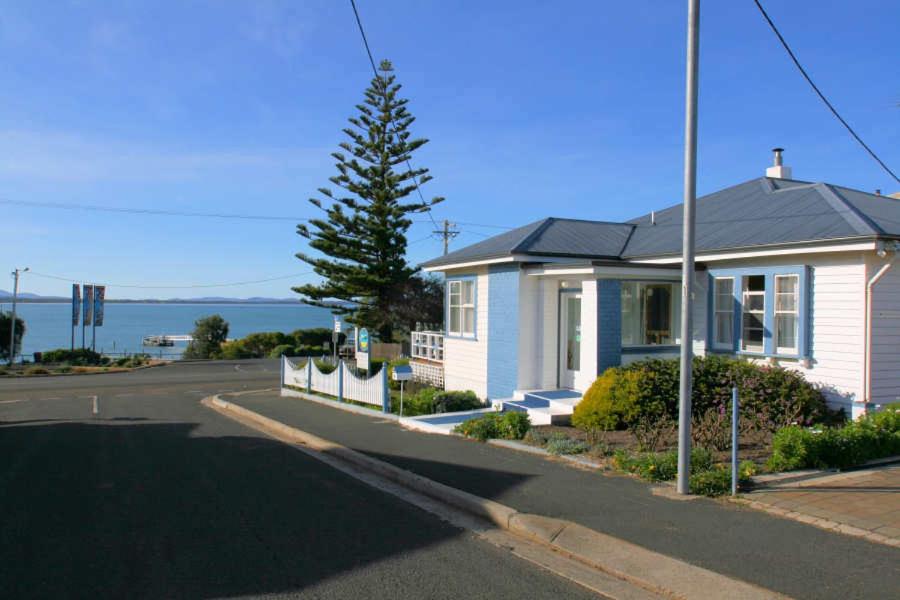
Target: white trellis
{"x":341,"y":383}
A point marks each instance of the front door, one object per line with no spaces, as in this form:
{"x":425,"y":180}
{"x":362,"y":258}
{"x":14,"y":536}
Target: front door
{"x":569,"y":339}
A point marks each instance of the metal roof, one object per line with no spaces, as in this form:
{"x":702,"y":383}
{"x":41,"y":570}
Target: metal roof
{"x":757,"y":213}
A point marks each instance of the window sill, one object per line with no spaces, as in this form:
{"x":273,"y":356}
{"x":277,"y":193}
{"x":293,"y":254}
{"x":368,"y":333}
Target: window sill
{"x":651,"y":349}
{"x":757,"y":354}
{"x":467,"y":338}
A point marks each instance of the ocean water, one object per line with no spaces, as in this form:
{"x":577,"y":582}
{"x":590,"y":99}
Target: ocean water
{"x":48,"y":326}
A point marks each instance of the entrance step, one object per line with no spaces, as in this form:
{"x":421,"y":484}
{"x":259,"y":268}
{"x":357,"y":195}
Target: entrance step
{"x":544,"y":407}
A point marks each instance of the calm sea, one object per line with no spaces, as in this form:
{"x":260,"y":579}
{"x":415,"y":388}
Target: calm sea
{"x":48,"y":326}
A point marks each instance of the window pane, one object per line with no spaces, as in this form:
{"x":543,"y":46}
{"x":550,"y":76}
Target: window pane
{"x":658,"y":314}
{"x":631,"y":313}
{"x":786,"y":293}
{"x":724,"y":328}
{"x":786,"y":332}
{"x":755,"y":283}
{"x":468,"y":292}
{"x":755,"y":302}
{"x":454,"y":320}
{"x":469,"y":320}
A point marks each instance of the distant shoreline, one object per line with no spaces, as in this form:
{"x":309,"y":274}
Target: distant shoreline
{"x":8,"y":300}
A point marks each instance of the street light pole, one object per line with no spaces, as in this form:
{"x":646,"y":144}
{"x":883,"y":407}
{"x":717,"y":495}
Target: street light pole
{"x":12,"y":325}
{"x":687,"y":263}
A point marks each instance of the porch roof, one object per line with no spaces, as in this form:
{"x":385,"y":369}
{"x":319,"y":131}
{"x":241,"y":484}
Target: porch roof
{"x":755,"y":214}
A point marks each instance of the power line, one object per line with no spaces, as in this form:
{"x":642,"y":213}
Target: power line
{"x":819,"y":92}
{"x":151,"y":211}
{"x":365,"y":40}
{"x":174,"y":287}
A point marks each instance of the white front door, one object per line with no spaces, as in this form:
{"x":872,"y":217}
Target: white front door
{"x":569,"y":338}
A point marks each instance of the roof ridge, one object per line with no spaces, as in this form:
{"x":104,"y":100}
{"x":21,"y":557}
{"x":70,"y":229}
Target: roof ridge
{"x":854,"y":217}
{"x":532,"y":234}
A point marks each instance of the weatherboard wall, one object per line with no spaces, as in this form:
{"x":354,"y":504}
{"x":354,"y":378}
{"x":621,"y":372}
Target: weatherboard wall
{"x":465,"y":359}
{"x":885,"y":386}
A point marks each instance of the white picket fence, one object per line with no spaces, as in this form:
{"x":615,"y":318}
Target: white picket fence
{"x":342,"y":383}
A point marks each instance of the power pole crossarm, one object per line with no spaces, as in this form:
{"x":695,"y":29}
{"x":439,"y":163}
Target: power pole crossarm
{"x":447,"y":233}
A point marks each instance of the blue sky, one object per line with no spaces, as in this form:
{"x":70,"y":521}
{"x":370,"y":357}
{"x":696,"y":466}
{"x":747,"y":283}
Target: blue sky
{"x":533,"y":109}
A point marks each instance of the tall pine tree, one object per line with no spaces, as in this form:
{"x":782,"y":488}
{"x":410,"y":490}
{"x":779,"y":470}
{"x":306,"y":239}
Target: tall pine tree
{"x":362,"y":238}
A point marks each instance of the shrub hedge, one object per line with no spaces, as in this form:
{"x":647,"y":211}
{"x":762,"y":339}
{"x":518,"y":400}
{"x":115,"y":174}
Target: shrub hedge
{"x":869,"y":437}
{"x":506,"y":426}
{"x":78,"y":357}
{"x":775,"y":395}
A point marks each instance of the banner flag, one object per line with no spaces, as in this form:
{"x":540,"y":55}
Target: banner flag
{"x":99,"y":297}
{"x":87,"y":306}
{"x":76,"y":304}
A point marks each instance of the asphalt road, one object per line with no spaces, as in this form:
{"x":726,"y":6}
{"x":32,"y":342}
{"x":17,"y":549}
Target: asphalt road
{"x":123,"y":485}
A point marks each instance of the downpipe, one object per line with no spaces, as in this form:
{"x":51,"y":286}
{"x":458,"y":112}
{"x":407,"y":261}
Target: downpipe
{"x":867,"y":347}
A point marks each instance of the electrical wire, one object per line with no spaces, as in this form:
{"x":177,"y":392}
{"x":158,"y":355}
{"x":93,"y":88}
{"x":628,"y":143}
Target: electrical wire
{"x":150,"y":211}
{"x":174,"y":287}
{"x":819,"y":92}
{"x":365,"y":40}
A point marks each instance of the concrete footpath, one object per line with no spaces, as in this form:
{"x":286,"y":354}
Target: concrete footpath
{"x":782,"y":555}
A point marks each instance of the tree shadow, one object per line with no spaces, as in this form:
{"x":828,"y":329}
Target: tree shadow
{"x":170,"y":510}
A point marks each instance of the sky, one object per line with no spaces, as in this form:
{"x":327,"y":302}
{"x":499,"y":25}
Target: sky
{"x":532,"y":109}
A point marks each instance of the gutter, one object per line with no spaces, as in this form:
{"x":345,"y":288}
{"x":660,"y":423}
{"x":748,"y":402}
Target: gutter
{"x":867,"y":346}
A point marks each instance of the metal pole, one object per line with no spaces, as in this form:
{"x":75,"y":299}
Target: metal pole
{"x":687,"y":266}
{"x":734,"y":440}
{"x":401,"y":398}
{"x":12,"y":325}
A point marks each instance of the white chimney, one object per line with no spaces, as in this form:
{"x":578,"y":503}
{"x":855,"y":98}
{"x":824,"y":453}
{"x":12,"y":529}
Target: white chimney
{"x":777,"y":170}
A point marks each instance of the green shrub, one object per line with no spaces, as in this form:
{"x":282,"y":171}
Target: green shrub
{"x":507,"y":426}
{"x":420,"y":403}
{"x":282,"y":350}
{"x":566,"y":445}
{"x":36,"y":371}
{"x":870,"y":437}
{"x":712,"y":482}
{"x":316,"y":336}
{"x":454,"y":401}
{"x":535,"y":438}
{"x":325,"y":367}
{"x":747,"y":469}
{"x":610,"y":402}
{"x":79,"y":357}
{"x":661,"y":466}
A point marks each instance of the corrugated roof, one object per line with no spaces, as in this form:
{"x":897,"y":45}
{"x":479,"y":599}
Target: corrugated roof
{"x":548,"y":237}
{"x":759,"y":212}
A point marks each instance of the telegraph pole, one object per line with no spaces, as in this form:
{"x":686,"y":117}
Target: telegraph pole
{"x":12,"y":325}
{"x":687,"y":262}
{"x":447,"y":233}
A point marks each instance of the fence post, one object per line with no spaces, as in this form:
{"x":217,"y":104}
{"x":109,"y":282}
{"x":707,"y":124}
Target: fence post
{"x":385,"y":389}
{"x":734,"y":440}
{"x":340,"y":370}
{"x":309,"y":369}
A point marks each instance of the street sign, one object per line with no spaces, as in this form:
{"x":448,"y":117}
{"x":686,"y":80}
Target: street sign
{"x":402,"y":373}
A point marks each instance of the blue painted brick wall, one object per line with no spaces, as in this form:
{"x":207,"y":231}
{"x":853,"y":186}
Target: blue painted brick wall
{"x":609,"y":324}
{"x":503,"y":331}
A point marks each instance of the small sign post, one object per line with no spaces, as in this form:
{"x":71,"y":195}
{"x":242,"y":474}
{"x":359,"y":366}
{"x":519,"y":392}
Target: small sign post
{"x":335,"y":337}
{"x":734,"y":440}
{"x":362,"y":349}
{"x":401,"y":373}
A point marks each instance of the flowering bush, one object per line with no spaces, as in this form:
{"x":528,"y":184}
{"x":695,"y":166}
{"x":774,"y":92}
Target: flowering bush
{"x":506,"y":426}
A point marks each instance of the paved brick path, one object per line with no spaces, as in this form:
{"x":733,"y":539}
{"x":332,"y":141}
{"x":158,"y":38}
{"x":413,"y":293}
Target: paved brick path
{"x":862,"y":503}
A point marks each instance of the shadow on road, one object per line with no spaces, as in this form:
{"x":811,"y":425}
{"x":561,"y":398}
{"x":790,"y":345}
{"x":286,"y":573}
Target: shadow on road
{"x":162,"y":510}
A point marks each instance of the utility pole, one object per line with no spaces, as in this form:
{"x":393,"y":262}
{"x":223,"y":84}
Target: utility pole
{"x":687,"y":261}
{"x":447,"y":233}
{"x":12,"y":325}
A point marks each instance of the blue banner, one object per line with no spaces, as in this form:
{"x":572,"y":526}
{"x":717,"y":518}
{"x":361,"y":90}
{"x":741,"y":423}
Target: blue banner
{"x":99,"y":297}
{"x":87,"y":305}
{"x":76,"y":304}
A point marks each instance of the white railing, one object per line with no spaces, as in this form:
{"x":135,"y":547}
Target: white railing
{"x":427,"y":345}
{"x":341,"y":383}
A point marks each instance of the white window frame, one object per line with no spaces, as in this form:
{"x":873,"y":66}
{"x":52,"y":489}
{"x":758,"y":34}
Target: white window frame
{"x":745,"y":295}
{"x":461,"y":307}
{"x":725,"y":310}
{"x":776,"y":343}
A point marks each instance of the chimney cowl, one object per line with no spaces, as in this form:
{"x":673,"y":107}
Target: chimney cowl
{"x":778,"y":170}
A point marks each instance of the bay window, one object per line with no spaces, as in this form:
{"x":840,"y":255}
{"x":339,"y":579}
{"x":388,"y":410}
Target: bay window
{"x":759,"y":311}
{"x":461,"y":307}
{"x":649,"y":313}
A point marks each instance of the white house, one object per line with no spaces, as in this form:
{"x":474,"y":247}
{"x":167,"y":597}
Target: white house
{"x":796,"y":273}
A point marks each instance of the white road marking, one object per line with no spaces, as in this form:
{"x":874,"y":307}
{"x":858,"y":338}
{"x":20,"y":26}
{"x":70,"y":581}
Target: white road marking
{"x":96,"y":408}
{"x":123,"y":395}
{"x":13,"y":401}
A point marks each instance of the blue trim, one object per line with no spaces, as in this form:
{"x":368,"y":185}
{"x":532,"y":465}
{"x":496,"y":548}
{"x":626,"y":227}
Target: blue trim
{"x":503,"y":330}
{"x":804,"y":311}
{"x":473,"y":278}
{"x":340,"y":368}
{"x":385,"y":390}
{"x":660,"y":349}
